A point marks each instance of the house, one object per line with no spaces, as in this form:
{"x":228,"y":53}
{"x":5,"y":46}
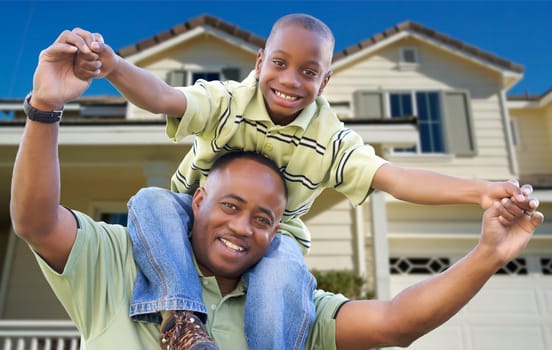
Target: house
{"x":422,"y":98}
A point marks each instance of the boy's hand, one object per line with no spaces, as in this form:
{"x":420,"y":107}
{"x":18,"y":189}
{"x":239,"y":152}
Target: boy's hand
{"x":496,"y":191}
{"x":55,"y":81}
{"x":99,"y":62}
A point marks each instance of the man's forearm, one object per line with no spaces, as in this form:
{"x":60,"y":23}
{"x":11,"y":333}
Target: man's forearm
{"x":426,"y":305}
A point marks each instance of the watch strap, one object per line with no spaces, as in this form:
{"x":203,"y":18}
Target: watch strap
{"x":38,"y":115}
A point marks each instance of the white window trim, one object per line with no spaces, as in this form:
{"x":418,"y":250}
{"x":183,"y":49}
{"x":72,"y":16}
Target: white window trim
{"x":403,"y":64}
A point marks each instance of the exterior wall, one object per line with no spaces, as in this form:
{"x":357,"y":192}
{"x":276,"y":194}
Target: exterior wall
{"x":438,"y":70}
{"x":200,"y":53}
{"x":93,"y":178}
{"x":534,"y":139}
{"x":331,"y":227}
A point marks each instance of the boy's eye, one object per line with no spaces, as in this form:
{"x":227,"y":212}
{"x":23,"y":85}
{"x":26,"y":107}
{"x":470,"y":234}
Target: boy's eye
{"x":278,"y":63}
{"x":310,"y":73}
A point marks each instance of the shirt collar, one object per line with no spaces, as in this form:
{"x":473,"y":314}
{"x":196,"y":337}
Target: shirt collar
{"x":256,"y":109}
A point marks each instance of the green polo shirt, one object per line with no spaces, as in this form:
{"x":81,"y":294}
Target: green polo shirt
{"x":315,"y":151}
{"x":96,"y":286}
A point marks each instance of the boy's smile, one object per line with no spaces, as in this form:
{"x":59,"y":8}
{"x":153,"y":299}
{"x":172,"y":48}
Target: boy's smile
{"x":292,"y":71}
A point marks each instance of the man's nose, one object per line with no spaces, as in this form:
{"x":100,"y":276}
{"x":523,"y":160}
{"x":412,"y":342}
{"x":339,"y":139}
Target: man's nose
{"x":241,"y":225}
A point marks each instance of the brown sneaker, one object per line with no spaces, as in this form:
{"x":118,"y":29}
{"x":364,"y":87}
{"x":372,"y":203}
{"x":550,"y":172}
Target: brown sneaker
{"x":182,"y":330}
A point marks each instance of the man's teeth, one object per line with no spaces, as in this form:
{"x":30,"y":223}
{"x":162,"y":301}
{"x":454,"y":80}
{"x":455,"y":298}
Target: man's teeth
{"x":285,"y":97}
{"x":232,"y":245}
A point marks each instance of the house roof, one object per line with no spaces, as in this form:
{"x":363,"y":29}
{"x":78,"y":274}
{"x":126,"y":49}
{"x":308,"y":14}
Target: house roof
{"x":407,"y":26}
{"x":531,"y":97}
{"x":410,"y":26}
{"x":214,"y":22}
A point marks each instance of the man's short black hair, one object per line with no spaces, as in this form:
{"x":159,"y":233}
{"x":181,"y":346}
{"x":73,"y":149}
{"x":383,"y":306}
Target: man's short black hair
{"x":227,"y":158}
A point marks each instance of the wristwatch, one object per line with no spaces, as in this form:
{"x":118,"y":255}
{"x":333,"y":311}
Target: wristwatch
{"x":40,"y":116}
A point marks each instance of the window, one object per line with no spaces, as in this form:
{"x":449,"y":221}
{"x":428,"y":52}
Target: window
{"x":444,"y":117}
{"x":418,"y":265}
{"x":408,"y":58}
{"x":182,"y":77}
{"x":409,"y":55}
{"x":115,"y":218}
{"x":427,"y":107}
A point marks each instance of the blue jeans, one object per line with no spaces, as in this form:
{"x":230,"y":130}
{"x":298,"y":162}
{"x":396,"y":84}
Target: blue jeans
{"x":278,"y":308}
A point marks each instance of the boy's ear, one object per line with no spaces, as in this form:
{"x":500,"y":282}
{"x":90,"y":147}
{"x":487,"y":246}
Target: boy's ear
{"x":325,"y":82}
{"x":259,"y":63}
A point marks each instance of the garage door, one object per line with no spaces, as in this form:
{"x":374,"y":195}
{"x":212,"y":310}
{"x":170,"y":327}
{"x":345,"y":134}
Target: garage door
{"x":512,"y":311}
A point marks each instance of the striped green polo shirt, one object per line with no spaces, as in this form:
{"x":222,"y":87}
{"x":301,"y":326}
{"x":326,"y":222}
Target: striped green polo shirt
{"x":314,"y":152}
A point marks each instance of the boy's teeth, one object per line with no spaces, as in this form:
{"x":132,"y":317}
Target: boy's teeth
{"x":284,"y":96}
{"x":232,"y":245}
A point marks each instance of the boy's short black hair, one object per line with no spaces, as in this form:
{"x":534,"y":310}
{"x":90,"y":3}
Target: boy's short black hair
{"x":308,"y":22}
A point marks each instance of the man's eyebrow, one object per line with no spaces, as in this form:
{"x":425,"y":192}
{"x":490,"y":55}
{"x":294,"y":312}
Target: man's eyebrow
{"x":267,"y":211}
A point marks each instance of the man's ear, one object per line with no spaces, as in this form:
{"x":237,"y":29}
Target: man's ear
{"x":276,"y":228}
{"x":259,"y":63}
{"x":197,"y":199}
{"x":325,"y":82}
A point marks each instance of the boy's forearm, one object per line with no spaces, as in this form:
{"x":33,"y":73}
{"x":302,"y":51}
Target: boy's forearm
{"x":428,"y":187}
{"x":146,"y":90}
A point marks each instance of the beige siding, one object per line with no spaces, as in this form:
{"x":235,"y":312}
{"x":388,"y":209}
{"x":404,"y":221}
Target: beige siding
{"x":332,"y":234}
{"x":438,"y":70}
{"x":534,"y":136}
{"x":203,"y":52}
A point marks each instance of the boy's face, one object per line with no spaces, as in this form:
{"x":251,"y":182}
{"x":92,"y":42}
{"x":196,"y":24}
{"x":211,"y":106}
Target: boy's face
{"x":236,"y":215}
{"x":292,"y":71}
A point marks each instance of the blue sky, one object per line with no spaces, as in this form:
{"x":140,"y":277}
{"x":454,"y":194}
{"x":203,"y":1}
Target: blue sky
{"x":515,"y":30}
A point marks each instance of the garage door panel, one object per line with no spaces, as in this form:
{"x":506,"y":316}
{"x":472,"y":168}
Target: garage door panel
{"x":500,"y":302}
{"x":505,"y":337}
{"x":452,"y":335}
{"x":512,"y":311}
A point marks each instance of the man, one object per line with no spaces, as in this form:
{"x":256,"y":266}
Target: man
{"x":91,"y":268}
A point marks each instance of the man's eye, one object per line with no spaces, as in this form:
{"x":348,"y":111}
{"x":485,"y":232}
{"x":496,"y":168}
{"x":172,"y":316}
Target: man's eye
{"x":264,"y":221}
{"x":229,"y":205}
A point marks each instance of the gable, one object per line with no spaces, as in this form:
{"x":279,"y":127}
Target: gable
{"x":510,"y":72}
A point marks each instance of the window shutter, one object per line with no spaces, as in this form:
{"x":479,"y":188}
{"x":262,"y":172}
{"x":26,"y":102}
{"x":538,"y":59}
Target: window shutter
{"x":458,"y":121}
{"x":231,"y":73}
{"x":177,"y":78}
{"x":368,"y":104}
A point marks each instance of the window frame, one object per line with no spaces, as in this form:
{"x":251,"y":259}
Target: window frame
{"x":452,"y":143}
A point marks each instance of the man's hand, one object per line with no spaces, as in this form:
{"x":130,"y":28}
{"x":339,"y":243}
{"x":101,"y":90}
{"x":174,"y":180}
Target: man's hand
{"x":55,"y":81}
{"x":507,"y":228}
{"x":99,"y":62}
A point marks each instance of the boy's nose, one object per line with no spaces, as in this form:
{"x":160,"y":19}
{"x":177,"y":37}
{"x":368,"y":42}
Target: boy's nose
{"x":289,"y":78}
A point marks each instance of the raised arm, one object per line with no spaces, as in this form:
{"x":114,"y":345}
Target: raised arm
{"x":426,"y":305}
{"x":429,"y":187}
{"x":35,"y":212}
{"x":136,"y":84}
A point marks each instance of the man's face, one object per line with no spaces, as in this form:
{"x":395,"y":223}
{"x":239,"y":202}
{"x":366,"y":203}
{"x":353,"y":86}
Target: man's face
{"x":236,"y":215}
{"x":292,"y":71}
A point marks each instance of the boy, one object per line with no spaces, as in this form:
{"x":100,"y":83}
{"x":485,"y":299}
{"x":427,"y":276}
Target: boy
{"x":278,"y":111}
